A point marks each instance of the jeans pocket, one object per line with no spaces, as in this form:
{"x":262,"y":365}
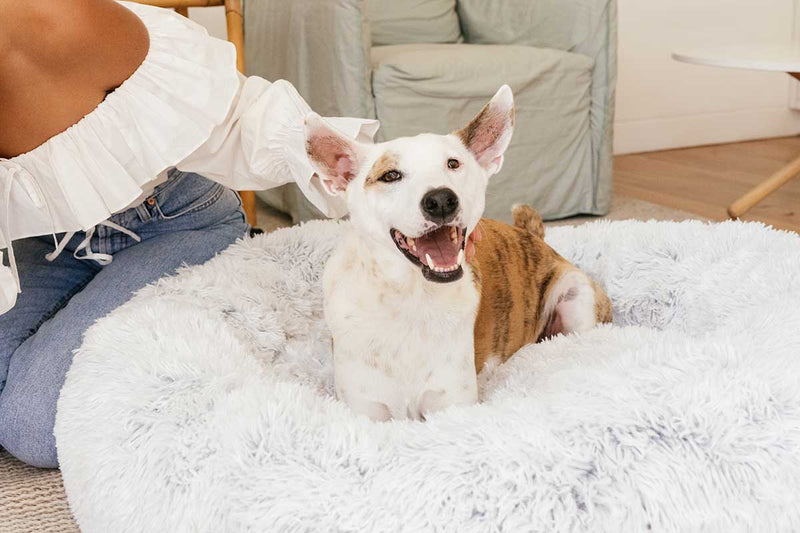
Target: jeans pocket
{"x":194,"y":193}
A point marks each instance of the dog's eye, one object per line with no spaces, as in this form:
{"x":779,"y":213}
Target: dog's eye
{"x":390,"y":176}
{"x":453,"y":164}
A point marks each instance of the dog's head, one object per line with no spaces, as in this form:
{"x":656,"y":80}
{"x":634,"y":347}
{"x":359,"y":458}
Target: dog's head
{"x":419,"y":196}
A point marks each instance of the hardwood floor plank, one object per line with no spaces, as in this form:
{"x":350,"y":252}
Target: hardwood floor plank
{"x":706,"y":179}
{"x":670,"y":200}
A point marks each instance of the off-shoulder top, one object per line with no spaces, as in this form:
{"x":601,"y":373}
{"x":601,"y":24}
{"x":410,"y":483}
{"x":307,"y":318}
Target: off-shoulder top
{"x":185,"y":106}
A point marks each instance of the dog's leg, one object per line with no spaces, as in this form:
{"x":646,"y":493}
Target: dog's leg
{"x":357,"y":385}
{"x":465,"y":393}
{"x":574,"y":303}
{"x":377,"y":411}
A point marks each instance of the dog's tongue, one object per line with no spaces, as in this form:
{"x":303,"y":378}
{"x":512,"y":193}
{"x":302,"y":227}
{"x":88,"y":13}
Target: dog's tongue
{"x":439,"y":246}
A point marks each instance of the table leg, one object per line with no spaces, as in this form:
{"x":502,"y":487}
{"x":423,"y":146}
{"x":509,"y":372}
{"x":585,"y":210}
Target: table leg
{"x":763,"y":189}
{"x":768,"y":186}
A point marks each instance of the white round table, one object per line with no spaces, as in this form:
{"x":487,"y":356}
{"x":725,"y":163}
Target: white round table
{"x":772,"y":57}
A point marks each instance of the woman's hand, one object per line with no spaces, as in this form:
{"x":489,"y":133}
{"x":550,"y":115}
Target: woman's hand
{"x":474,"y":237}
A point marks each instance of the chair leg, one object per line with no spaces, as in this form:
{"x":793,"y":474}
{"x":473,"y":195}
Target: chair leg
{"x":234,"y":18}
{"x":249,"y":205}
{"x":763,"y":189}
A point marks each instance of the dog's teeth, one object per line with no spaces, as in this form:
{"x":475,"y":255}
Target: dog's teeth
{"x":460,"y":258}
{"x":430,"y":262}
{"x":410,"y":242}
{"x":453,"y":234}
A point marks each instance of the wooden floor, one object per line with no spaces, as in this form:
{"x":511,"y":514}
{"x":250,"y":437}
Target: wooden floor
{"x":706,"y":179}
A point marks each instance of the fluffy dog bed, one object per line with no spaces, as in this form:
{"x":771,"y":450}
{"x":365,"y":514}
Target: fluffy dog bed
{"x":205,"y":403}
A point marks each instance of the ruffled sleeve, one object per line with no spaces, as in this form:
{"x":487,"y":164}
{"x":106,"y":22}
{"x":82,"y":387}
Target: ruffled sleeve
{"x":261,"y":144}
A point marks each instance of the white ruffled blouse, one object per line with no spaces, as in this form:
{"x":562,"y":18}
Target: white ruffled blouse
{"x":186,"y":106}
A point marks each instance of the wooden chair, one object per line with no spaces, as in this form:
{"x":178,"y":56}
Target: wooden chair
{"x":235,"y":25}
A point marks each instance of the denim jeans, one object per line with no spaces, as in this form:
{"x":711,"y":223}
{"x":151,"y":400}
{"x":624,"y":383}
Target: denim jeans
{"x":186,"y":221}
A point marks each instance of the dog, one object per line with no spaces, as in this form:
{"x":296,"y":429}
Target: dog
{"x":412,"y":321}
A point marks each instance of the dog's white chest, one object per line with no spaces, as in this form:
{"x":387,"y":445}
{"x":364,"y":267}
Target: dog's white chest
{"x":402,"y":347}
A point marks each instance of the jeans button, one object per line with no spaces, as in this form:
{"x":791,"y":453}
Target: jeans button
{"x":151,"y":201}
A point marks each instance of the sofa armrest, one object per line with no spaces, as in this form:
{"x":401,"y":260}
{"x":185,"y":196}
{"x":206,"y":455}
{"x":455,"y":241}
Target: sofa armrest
{"x":321,"y":46}
{"x":587,"y":27}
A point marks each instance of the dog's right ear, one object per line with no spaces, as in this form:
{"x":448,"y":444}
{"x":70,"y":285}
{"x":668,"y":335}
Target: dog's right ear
{"x":333,"y":155}
{"x":489,"y":133}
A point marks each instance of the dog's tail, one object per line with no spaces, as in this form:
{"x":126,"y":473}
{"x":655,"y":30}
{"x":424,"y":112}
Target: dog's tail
{"x":526,"y":217}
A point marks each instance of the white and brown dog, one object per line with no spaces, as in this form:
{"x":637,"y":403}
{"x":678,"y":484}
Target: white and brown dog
{"x":413,"y":322}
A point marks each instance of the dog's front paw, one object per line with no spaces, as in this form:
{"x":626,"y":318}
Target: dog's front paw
{"x":436,"y":400}
{"x":377,"y":411}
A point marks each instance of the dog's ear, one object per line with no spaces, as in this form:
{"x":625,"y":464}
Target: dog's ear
{"x":334,"y":156}
{"x":489,"y":133}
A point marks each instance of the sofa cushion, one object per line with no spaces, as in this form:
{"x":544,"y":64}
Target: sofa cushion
{"x":440,"y":87}
{"x":550,"y":23}
{"x":413,"y":21}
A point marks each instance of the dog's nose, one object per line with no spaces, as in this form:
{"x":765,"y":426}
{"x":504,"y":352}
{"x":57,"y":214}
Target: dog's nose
{"x":440,"y":205}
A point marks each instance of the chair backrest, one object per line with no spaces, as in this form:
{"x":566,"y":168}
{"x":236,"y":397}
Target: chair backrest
{"x":413,"y":21}
{"x":233,"y":15}
{"x":543,"y":23}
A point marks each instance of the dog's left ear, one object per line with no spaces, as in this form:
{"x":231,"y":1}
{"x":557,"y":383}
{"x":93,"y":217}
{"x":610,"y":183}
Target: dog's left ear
{"x":489,"y":133}
{"x":334,"y":156}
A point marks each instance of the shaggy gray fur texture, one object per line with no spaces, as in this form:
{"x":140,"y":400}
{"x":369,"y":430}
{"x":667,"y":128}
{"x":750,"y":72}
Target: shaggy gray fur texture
{"x":205,"y":404}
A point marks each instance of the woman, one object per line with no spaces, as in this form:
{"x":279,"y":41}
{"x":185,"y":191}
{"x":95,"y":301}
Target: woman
{"x":99,"y":103}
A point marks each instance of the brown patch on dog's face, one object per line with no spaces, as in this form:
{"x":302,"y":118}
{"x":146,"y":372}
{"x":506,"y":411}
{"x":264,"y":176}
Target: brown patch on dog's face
{"x":386,"y":162}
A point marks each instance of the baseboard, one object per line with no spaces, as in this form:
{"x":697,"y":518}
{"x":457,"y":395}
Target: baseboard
{"x":708,"y":128}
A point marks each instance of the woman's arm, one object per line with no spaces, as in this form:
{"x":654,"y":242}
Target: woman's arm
{"x":58,"y":59}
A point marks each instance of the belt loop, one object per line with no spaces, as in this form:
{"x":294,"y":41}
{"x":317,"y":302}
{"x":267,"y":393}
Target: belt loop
{"x":144,"y":214}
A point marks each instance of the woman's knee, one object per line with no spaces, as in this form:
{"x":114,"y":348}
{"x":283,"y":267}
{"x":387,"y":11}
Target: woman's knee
{"x":26,"y":429}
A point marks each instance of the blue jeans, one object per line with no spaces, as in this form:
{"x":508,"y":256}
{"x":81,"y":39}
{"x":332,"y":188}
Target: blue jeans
{"x":186,"y":221}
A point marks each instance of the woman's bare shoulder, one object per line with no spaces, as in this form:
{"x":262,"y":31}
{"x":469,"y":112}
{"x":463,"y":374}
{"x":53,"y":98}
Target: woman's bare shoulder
{"x":65,"y":35}
{"x":58,"y":58}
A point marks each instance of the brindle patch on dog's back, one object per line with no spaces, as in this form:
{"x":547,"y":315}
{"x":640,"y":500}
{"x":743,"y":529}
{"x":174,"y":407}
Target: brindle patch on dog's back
{"x":386,"y":162}
{"x":515,"y":268}
{"x":602,"y":305}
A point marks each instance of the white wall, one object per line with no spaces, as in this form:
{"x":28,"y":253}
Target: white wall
{"x":213,"y":18}
{"x":662,"y":103}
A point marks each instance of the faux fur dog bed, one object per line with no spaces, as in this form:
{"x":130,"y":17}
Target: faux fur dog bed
{"x":205,"y":403}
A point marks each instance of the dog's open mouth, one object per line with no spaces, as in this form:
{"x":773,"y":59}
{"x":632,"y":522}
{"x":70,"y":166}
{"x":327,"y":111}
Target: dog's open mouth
{"x":439,"y":253}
